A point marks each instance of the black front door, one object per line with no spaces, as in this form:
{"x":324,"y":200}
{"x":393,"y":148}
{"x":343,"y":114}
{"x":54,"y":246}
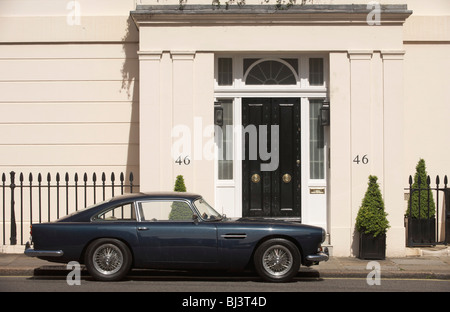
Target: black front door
{"x":271,"y":159}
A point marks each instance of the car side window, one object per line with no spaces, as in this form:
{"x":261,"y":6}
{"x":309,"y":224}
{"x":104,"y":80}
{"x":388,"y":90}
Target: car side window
{"x":125,"y":212}
{"x":165,"y":210}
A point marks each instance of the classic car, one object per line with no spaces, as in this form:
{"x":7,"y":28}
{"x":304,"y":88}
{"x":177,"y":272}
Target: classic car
{"x":174,"y":230}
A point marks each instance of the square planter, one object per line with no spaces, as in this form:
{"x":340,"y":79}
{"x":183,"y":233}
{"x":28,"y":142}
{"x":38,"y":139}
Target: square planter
{"x":373,"y":248}
{"x":420,"y":232}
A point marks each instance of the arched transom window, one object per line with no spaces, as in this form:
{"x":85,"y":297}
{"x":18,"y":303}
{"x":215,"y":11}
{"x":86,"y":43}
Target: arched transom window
{"x":270,"y":72}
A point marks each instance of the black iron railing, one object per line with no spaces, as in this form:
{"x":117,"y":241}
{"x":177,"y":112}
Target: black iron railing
{"x":426,"y":205}
{"x":36,"y":200}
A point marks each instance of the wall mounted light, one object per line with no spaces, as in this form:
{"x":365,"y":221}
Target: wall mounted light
{"x":325,"y":113}
{"x":218,"y":114}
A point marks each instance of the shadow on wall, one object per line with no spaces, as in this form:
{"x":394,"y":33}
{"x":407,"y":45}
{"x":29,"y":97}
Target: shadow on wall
{"x":130,"y":85}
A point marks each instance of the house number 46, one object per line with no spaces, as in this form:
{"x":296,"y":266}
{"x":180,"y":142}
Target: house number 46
{"x":186,"y":160}
{"x":361,"y":160}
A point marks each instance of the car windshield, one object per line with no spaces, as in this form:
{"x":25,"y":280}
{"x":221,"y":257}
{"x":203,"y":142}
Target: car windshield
{"x":206,"y":211}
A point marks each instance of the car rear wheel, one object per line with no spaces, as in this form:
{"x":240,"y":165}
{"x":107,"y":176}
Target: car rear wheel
{"x":108,"y":259}
{"x":277,"y":260}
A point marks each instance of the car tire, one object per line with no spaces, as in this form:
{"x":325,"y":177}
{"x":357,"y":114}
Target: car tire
{"x":108,"y":259}
{"x":277,"y":260}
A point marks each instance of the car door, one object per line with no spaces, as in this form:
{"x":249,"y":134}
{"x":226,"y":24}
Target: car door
{"x":168,"y":234}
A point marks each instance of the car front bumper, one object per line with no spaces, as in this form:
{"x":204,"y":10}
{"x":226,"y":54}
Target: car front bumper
{"x":318,"y":257}
{"x":31,"y":252}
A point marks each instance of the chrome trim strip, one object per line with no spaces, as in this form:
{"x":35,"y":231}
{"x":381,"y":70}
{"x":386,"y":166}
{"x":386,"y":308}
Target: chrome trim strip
{"x":30,"y":252}
{"x":233,"y":236}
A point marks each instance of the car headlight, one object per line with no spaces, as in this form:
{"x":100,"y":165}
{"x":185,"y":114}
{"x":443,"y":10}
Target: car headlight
{"x":324,"y":235}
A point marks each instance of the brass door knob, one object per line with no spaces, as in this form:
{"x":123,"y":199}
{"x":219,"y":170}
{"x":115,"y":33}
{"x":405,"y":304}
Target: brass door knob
{"x":256,"y":178}
{"x":287,"y":178}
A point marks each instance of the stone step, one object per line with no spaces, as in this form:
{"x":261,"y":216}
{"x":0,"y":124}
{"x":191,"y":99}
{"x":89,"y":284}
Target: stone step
{"x":436,"y":251}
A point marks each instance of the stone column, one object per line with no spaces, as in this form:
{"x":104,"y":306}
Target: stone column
{"x":183,"y":134}
{"x":340,"y":155}
{"x":361,"y":133}
{"x":149,"y":120}
{"x":357,"y":137}
{"x":395,"y":178}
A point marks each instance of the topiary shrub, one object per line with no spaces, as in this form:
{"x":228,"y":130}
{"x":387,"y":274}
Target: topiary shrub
{"x":179,"y":184}
{"x":371,"y":218}
{"x":180,"y":210}
{"x":420,"y":181}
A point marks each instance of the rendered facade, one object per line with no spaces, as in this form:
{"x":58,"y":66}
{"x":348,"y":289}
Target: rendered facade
{"x":229,"y":96}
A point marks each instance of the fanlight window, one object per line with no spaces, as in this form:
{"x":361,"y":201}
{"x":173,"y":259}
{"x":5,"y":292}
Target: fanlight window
{"x":270,"y":72}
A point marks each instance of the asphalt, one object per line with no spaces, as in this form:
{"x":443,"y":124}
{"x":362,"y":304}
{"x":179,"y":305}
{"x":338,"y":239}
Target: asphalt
{"x":431,"y":265}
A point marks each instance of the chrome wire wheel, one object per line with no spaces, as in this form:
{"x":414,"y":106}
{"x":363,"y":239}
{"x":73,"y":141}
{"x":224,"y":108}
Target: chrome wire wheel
{"x":108,"y":259}
{"x":277,"y":260}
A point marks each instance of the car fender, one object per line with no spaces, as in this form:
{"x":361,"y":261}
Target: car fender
{"x":73,"y":238}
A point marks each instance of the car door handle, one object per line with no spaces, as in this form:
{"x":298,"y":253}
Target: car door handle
{"x":142,"y":228}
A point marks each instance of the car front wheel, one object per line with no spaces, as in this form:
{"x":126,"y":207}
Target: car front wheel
{"x":277,"y":260}
{"x":108,"y":259}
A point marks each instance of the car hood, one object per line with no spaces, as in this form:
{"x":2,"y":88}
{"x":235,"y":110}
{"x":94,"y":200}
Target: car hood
{"x":264,"y":222}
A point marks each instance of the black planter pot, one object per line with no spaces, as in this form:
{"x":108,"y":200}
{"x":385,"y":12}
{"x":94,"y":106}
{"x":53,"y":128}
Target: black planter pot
{"x":372,"y":248}
{"x":420,"y":232}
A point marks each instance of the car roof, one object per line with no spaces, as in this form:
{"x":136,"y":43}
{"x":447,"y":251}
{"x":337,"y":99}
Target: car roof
{"x":86,"y":214}
{"x":159,"y":195}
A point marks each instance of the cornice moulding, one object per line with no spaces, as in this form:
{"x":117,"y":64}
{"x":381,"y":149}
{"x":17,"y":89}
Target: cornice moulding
{"x":265,"y":14}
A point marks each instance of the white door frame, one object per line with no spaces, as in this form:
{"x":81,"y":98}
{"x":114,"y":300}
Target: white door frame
{"x":233,"y":188}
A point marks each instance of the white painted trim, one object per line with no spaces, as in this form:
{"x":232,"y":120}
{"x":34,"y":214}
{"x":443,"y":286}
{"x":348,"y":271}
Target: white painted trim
{"x":294,"y":72}
{"x":301,"y":90}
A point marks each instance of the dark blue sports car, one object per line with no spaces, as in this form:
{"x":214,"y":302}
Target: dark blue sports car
{"x":174,"y":231}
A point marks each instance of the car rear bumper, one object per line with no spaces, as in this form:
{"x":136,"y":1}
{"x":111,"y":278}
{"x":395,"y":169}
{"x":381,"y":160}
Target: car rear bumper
{"x":31,"y":252}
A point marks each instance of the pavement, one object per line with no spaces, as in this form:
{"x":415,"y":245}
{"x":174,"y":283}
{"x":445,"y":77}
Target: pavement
{"x":428,"y":266}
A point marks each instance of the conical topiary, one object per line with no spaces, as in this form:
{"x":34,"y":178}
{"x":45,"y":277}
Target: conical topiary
{"x":371,"y":218}
{"x":180,"y":210}
{"x":179,"y":184}
{"x":427,"y":207}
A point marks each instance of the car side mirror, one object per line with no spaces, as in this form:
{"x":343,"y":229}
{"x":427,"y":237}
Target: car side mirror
{"x":195,"y":218}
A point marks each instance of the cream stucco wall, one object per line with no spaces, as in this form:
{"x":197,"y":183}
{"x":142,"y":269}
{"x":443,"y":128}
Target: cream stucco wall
{"x":367,"y":119}
{"x":175,"y":96}
{"x":69,"y":89}
{"x":69,"y":97}
{"x":427,"y":106}
{"x":99,"y":95}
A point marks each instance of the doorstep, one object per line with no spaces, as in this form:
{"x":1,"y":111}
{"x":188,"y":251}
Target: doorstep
{"x":435,"y":251}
